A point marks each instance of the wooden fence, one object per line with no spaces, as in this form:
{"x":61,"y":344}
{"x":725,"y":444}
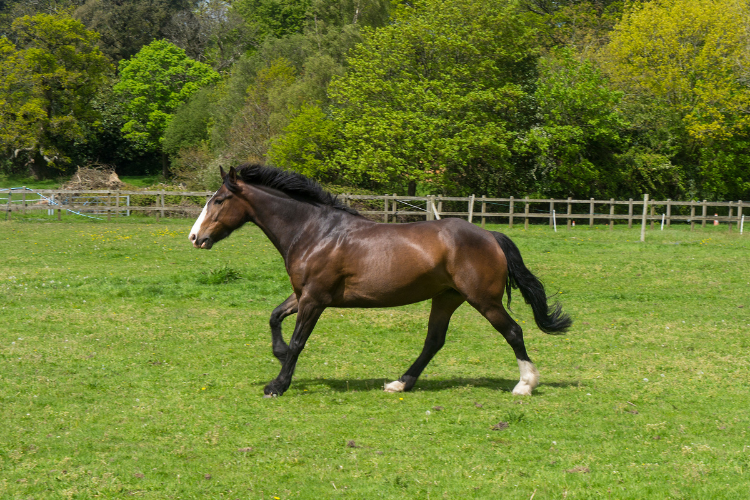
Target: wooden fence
{"x":394,"y":208}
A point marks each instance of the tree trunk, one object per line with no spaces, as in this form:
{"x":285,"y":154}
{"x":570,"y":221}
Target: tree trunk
{"x":412,"y":189}
{"x":164,"y":165}
{"x":38,"y":166}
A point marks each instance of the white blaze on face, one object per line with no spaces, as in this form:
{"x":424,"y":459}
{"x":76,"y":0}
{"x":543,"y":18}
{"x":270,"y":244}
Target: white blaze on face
{"x":197,"y":226}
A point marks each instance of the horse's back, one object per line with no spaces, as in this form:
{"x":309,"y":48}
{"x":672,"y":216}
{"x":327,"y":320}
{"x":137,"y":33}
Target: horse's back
{"x":392,"y":264}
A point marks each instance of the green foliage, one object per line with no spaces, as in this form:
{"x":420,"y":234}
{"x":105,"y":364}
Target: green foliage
{"x":278,"y":19}
{"x":190,"y":123}
{"x":584,"y":98}
{"x":48,"y":80}
{"x":686,"y":62}
{"x":275,"y":18}
{"x":574,"y":143}
{"x":434,"y":96}
{"x":220,"y":276}
{"x":514,"y":416}
{"x":155,"y":82}
{"x":690,"y":53}
{"x":307,"y":144}
{"x":128,"y":25}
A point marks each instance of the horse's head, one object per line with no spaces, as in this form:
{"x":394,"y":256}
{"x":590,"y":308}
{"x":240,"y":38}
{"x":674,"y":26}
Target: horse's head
{"x":224,"y":212}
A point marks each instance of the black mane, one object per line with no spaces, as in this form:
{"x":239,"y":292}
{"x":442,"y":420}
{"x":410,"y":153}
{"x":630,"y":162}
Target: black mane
{"x":292,"y":183}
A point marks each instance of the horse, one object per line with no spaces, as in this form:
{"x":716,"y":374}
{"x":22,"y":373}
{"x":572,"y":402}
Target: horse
{"x":336,"y":257}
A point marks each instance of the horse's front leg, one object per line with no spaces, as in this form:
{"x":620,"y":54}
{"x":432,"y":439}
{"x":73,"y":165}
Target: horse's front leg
{"x":286,"y":308}
{"x":307,"y":316}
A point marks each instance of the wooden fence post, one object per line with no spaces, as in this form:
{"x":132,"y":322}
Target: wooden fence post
{"x":739,"y":212}
{"x":669,"y":212}
{"x":395,"y":207}
{"x":591,"y":213}
{"x":526,"y":214}
{"x":705,"y":213}
{"x":611,"y":213}
{"x":510,"y":214}
{"x":162,"y":203}
{"x":630,"y":213}
{"x":643,"y":220}
{"x":729,"y":219}
{"x":385,"y":209}
{"x":551,"y":211}
{"x":471,"y":208}
{"x":484,"y":208}
{"x":428,"y":205}
{"x":570,"y":210}
{"x":692,"y":216}
{"x":653,"y":208}
{"x":10,"y":196}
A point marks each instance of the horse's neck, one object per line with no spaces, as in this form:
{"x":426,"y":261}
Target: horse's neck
{"x":281,"y":218}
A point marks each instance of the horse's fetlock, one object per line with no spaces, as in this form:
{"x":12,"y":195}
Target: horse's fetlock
{"x":409,"y":381}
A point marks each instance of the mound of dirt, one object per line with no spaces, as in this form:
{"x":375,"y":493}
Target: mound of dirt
{"x":94,"y":177}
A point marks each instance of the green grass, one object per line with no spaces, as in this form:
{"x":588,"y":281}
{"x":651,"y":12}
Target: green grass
{"x":125,"y":372}
{"x":138,"y":181}
{"x":19,"y":181}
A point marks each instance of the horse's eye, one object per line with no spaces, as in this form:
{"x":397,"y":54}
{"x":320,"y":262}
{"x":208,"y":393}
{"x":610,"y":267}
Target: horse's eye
{"x":218,"y":201}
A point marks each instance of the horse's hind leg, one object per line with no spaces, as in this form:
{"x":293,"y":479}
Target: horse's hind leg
{"x":443,"y":306}
{"x":286,"y":308}
{"x":513,"y":333}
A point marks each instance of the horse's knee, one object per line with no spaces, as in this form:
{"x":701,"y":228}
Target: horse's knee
{"x":275,"y":320}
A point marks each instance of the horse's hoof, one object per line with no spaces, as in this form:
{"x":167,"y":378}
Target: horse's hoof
{"x":395,"y":386}
{"x":522,"y":389}
{"x":272,"y":391}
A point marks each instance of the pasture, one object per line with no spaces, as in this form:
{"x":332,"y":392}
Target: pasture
{"x":132,"y":365}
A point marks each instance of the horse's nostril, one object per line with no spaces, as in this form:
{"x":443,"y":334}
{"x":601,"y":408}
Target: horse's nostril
{"x":192,"y":237}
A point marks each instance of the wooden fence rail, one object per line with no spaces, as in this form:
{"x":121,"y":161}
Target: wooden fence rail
{"x":392,"y":208}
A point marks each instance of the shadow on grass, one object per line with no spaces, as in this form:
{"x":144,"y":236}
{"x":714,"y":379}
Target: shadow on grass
{"x":423,"y":384}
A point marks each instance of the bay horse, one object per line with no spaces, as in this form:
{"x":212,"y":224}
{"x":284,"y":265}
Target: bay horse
{"x":335,"y":257}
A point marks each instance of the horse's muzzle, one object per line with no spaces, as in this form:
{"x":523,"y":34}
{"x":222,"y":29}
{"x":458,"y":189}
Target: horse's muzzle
{"x":204,"y":243}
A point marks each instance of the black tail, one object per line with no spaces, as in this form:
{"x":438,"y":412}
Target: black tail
{"x":548,"y":319}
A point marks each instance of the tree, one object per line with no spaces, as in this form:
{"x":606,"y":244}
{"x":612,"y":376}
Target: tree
{"x":436,"y":97}
{"x":688,"y":53}
{"x":306,"y":144}
{"x":690,"y":57}
{"x":214,"y":33}
{"x":47,"y":83}
{"x":276,"y":18}
{"x":577,"y":136}
{"x":128,"y":25}
{"x":155,"y":82}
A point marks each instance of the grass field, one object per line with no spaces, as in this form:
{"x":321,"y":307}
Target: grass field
{"x":132,"y":365}
{"x":6,"y":182}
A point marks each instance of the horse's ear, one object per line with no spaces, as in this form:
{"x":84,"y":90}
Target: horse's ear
{"x":232,"y":175}
{"x":222,"y":173}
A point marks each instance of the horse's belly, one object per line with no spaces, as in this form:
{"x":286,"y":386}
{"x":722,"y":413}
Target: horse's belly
{"x":389,"y":291}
